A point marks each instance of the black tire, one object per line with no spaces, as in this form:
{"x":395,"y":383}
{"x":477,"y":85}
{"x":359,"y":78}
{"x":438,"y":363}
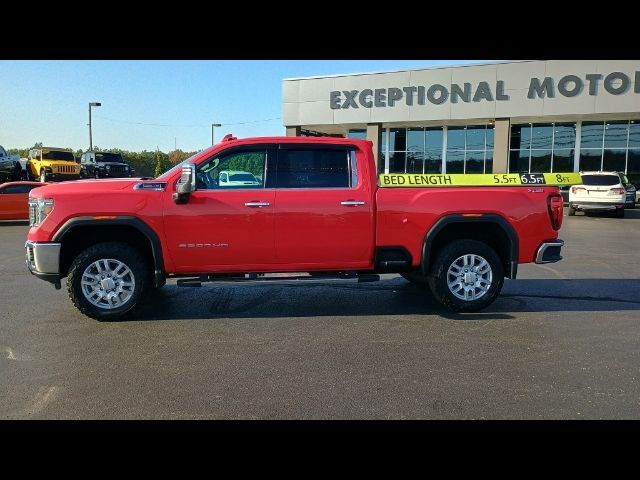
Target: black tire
{"x":438,"y":274}
{"x":17,"y":173}
{"x":415,"y":277}
{"x":108,"y":250}
{"x":571,"y":211}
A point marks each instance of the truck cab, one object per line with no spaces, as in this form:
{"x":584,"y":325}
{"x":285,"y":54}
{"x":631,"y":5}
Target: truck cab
{"x":51,"y":164}
{"x":104,"y":165}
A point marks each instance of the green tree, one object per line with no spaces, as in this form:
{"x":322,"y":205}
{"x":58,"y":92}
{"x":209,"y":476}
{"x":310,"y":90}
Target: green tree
{"x":159,"y":170}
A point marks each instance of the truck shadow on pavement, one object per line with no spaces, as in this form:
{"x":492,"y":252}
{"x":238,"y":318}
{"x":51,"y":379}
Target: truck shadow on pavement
{"x":394,"y":296}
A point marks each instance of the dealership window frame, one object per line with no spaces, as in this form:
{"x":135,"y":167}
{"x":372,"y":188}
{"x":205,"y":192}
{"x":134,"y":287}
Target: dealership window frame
{"x":443,"y":149}
{"x":603,"y":148}
{"x":551,"y":149}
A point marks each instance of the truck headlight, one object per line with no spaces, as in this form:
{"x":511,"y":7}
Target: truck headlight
{"x":39,"y":208}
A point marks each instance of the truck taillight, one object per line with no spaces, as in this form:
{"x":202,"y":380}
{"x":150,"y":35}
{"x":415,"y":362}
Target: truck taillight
{"x":555,"y":204}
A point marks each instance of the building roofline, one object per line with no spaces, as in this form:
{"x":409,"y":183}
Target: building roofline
{"x":459,"y":65}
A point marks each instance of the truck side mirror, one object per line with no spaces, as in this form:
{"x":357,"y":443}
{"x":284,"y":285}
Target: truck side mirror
{"x":186,"y":184}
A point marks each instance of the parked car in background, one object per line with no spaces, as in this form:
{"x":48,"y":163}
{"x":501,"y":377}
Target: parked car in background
{"x":10,"y":168}
{"x":237,"y":179}
{"x":631,"y":191}
{"x":104,"y":165}
{"x":600,"y":191}
{"x":14,"y":200}
{"x":564,"y":191}
{"x":52,"y":164}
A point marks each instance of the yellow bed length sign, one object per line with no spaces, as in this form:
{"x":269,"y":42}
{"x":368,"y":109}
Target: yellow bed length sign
{"x":477,"y":179}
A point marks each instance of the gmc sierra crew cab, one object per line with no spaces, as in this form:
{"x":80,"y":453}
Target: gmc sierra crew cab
{"x":313,"y":210}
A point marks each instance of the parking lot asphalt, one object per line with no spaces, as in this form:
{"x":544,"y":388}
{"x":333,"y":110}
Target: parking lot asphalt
{"x":561,"y":342}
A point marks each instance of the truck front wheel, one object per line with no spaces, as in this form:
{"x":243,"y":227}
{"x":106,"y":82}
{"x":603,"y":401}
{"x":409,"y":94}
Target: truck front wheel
{"x":107,"y":280}
{"x":466,"y":276}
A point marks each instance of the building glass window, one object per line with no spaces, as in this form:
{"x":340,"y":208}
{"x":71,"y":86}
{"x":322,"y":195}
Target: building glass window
{"x":419,"y":149}
{"x":633,"y":166}
{"x":467,"y":149}
{"x":519,"y":161}
{"x":610,"y":146}
{"x":542,"y":148}
{"x":358,"y":134}
{"x":455,"y":161}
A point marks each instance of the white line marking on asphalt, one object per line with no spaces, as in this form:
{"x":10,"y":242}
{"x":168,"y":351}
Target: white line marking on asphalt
{"x":44,"y":396}
{"x":10,"y":355}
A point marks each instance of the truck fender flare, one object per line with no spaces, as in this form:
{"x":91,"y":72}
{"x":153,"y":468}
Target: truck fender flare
{"x":504,"y":225}
{"x":156,"y":246}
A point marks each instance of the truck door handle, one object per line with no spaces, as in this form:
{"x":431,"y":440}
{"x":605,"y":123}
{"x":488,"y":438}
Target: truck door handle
{"x":352,"y":203}
{"x":256,"y":204}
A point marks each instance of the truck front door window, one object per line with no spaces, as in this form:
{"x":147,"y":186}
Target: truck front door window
{"x":237,"y":170}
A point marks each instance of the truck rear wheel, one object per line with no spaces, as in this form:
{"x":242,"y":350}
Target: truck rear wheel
{"x":466,"y":276}
{"x":107,"y":280}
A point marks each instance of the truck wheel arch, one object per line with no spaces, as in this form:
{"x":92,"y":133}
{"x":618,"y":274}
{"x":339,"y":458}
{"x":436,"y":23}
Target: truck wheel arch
{"x":505,"y":243}
{"x":111,"y":225}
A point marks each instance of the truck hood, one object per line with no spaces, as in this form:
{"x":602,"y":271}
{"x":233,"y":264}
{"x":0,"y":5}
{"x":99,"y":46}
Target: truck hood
{"x":84,"y":187}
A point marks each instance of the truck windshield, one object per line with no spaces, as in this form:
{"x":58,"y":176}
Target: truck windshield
{"x":58,"y":155}
{"x":600,"y":180}
{"x":176,"y":167}
{"x":109,"y":157}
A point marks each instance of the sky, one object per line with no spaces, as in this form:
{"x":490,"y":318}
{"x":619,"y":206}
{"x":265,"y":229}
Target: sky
{"x":156,"y":104}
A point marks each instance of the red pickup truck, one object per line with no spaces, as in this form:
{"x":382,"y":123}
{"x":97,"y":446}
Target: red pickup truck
{"x":311,"y":207}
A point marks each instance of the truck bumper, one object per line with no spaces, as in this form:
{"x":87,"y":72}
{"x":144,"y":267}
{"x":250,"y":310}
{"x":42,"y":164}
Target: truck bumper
{"x":596,"y":206}
{"x":549,"y":252}
{"x":43,"y":261}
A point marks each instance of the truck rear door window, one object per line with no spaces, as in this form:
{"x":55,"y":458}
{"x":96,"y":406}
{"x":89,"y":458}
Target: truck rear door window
{"x":313,"y":168}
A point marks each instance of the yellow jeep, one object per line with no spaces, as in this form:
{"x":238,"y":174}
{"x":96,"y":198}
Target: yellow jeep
{"x":52,"y":164}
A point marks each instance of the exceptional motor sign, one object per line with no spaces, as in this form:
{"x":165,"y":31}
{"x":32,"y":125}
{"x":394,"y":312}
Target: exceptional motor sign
{"x":593,"y":84}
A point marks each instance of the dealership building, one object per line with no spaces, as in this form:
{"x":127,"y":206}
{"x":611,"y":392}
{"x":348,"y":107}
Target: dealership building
{"x":520,"y":116}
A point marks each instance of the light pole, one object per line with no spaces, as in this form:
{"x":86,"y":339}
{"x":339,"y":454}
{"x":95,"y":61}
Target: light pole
{"x":92,"y":104}
{"x":213,"y":125}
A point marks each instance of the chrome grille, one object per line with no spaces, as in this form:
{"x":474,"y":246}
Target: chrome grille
{"x":65,"y":168}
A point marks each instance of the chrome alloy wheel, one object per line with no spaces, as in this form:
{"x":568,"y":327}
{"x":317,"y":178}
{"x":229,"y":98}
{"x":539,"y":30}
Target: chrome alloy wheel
{"x":469,"y":277}
{"x":108,"y":283}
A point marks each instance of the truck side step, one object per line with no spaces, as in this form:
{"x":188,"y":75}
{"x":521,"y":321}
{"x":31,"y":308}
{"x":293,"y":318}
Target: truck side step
{"x":192,"y":282}
{"x":253,"y":278}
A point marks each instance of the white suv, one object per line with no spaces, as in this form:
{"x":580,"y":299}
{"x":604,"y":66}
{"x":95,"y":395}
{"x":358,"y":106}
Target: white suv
{"x":600,"y":191}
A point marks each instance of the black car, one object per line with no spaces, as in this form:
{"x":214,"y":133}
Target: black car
{"x":104,"y":165}
{"x":10,"y":168}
